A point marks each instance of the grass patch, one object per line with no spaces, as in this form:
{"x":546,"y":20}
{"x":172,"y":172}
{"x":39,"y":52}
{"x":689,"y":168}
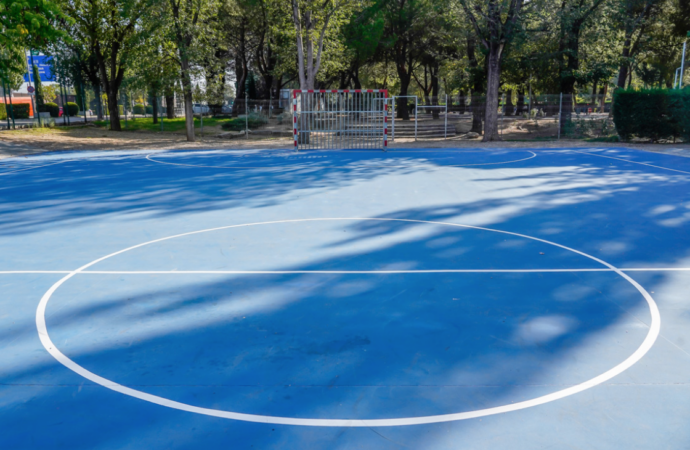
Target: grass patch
{"x":177,"y":124}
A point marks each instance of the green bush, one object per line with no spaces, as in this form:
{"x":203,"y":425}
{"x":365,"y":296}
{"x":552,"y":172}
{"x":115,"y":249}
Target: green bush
{"x":52,"y":108}
{"x":72,"y":109}
{"x":121,"y":109}
{"x":254,"y":121}
{"x":3,"y":112}
{"x":652,"y":113}
{"x":139,"y":109}
{"x":21,"y":110}
{"x":149,"y":109}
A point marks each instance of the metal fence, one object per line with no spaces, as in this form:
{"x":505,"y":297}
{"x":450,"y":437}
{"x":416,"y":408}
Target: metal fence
{"x":535,"y":117}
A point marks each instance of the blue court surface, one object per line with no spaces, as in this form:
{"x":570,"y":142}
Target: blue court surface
{"x":423,"y":299}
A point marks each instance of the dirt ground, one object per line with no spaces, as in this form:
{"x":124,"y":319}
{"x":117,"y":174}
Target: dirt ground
{"x":34,"y":141}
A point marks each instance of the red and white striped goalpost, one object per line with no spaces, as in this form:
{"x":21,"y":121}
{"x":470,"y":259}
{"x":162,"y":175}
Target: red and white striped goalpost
{"x":340,"y":119}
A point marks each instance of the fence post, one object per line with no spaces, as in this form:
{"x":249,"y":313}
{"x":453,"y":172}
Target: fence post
{"x":83,"y":102}
{"x":415,"y":118}
{"x":445,"y":130}
{"x":160,"y":113}
{"x":202,"y":121}
{"x":682,"y":67}
{"x":7,"y":114}
{"x":560,"y":116}
{"x":246,"y":117}
{"x":393,"y":118}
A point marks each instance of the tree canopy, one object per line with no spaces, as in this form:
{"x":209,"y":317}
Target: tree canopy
{"x":215,"y":50}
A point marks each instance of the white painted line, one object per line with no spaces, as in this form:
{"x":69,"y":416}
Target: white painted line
{"x":647,"y":344}
{"x":629,"y":161}
{"x":340,"y":272}
{"x":302,"y":166}
{"x":336,"y":272}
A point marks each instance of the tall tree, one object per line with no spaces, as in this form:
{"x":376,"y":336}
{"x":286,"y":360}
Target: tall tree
{"x":496,"y":22}
{"x":113,"y":30}
{"x":190,"y":31}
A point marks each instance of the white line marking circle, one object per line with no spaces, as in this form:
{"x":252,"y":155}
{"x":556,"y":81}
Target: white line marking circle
{"x":302,"y":166}
{"x":647,"y":344}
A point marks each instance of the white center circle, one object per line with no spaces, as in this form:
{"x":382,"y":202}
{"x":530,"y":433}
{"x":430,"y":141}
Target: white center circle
{"x":647,"y":343}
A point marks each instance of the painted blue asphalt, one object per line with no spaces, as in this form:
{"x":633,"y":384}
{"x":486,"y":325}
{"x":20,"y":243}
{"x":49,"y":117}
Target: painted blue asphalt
{"x":346,"y":316}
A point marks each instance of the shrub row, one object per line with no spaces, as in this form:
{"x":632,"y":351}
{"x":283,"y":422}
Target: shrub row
{"x":21,"y":111}
{"x":254,"y":121}
{"x":652,"y":114}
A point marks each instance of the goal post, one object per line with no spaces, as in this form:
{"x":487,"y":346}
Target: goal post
{"x":340,"y":119}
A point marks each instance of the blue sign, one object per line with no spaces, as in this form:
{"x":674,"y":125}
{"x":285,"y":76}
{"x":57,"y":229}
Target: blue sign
{"x":45,"y":68}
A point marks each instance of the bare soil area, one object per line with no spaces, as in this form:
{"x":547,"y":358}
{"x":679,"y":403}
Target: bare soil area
{"x":33,"y":141}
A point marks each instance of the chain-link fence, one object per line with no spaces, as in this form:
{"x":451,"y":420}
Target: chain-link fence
{"x":525,"y":117}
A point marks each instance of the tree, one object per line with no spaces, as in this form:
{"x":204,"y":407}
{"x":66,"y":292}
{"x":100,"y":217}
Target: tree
{"x":312,"y":19}
{"x":190,"y":31}
{"x":495,"y":22}
{"x":114,"y":30}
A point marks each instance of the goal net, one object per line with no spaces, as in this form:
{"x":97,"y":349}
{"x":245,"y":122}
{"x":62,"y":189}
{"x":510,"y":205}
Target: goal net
{"x":340,"y":119}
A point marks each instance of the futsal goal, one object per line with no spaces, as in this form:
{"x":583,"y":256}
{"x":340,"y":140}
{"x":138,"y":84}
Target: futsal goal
{"x":340,"y":119}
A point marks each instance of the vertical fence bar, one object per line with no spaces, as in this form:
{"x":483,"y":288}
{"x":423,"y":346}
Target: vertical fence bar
{"x":385,"y":121}
{"x":445,"y":130}
{"x":294,"y":118}
{"x":246,"y":116}
{"x":416,"y":104}
{"x":560,"y":116}
{"x":393,"y":118}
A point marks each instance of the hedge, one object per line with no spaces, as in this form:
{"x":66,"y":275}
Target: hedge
{"x":239,"y":123}
{"x":138,"y":109}
{"x":3,"y":112}
{"x":52,"y":108}
{"x":21,"y":110}
{"x":72,"y":109}
{"x":652,"y":113}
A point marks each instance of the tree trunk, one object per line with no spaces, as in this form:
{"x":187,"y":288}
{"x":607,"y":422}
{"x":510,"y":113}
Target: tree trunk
{"x":113,"y":110}
{"x":435,"y":112}
{"x":401,"y":105}
{"x":509,"y":108}
{"x":188,"y":101}
{"x":99,"y":101}
{"x":491,"y":117}
{"x":154,"y":107}
{"x":170,"y":106}
{"x":476,"y":99}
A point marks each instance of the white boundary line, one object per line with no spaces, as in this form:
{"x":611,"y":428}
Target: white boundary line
{"x":301,"y":166}
{"x":629,"y":161}
{"x":338,"y":272}
{"x":647,"y":344}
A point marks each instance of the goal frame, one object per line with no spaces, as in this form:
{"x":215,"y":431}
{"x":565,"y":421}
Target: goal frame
{"x":330,"y":119}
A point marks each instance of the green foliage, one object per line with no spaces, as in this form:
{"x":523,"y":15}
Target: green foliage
{"x":38,"y":86}
{"x":169,"y":125}
{"x":19,"y":110}
{"x":72,"y":109}
{"x":239,"y":123}
{"x":52,"y":108}
{"x":3,"y":112}
{"x":138,"y":109}
{"x":652,"y":114}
